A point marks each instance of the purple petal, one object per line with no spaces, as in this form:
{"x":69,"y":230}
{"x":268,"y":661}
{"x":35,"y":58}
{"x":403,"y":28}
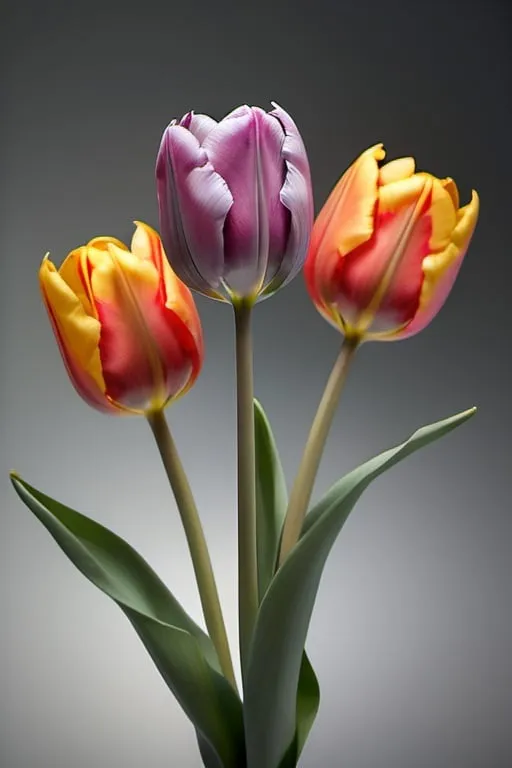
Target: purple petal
{"x":245,"y":149}
{"x":193,"y":202}
{"x":198,"y":125}
{"x":297,"y":196}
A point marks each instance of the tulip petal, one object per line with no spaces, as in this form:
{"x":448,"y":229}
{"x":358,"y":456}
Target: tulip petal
{"x":193,"y":203}
{"x":245,"y":149}
{"x":442,"y":213}
{"x":297,"y":195}
{"x":146,"y":244}
{"x":198,"y":125}
{"x":77,"y":334}
{"x":345,"y":222}
{"x":380,"y":282}
{"x":398,"y":169}
{"x":452,"y":190}
{"x":70,"y":271}
{"x":441,"y":269}
{"x":174,"y":295}
{"x":382,"y":279}
{"x":81,"y":269}
{"x":398,"y":195}
{"x":143,"y":361}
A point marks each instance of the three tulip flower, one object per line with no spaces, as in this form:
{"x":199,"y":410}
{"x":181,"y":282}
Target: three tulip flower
{"x":236,"y":219}
{"x":236,"y":216}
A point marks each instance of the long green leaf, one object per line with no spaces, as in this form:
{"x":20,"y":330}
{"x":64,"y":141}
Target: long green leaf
{"x":271,"y":498}
{"x":285,"y":613}
{"x":272,"y":501}
{"x":181,"y":651}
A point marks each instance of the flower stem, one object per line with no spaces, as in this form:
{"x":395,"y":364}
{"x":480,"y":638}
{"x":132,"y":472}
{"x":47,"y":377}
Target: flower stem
{"x":303,"y":486}
{"x":247,"y":563}
{"x":196,"y":541}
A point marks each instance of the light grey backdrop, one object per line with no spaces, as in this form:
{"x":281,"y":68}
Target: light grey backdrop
{"x":412,"y":632}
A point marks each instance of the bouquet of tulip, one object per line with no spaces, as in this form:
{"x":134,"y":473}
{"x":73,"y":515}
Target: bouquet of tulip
{"x":236,"y":219}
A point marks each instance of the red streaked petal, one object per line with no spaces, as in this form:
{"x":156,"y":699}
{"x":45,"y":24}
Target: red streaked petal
{"x":127,"y":360}
{"x":365,"y":269}
{"x":441,"y":269}
{"x":146,"y":243}
{"x":146,"y":352}
{"x":343,"y":224}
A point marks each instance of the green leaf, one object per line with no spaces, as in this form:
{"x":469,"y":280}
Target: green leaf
{"x":271,"y":498}
{"x":308,"y":701}
{"x":181,"y":651}
{"x":271,"y":504}
{"x":276,"y":653}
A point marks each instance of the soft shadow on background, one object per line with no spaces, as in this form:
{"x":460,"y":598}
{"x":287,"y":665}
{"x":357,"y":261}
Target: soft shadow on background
{"x":412,"y":632}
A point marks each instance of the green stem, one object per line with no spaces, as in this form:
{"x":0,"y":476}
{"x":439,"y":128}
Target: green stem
{"x":305,"y":479}
{"x":247,"y":563}
{"x":196,"y":541}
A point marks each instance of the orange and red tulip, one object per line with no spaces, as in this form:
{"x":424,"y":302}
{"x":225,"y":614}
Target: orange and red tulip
{"x":386,"y":248}
{"x":127,"y":327}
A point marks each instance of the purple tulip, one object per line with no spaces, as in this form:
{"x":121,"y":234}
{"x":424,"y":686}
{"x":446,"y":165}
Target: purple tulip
{"x":235,"y":202}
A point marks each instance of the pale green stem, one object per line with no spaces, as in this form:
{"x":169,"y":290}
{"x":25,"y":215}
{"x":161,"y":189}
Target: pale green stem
{"x":247,"y":562}
{"x":196,"y":541}
{"x":303,"y":486}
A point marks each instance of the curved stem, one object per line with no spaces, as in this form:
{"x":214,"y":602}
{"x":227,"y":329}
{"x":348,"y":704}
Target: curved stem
{"x":247,"y":563}
{"x":308,"y":468}
{"x":196,"y":541}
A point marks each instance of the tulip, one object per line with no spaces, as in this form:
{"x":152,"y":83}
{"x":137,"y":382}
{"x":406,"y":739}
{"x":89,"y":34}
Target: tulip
{"x":235,"y":202}
{"x":236,"y":211}
{"x":384,"y":253}
{"x":127,"y":327}
{"x":386,"y":248}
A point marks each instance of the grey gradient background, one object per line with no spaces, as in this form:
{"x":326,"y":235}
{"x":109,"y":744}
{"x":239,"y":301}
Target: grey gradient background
{"x":412,"y":633}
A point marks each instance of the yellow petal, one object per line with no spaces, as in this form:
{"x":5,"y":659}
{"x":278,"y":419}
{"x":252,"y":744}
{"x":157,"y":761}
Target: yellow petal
{"x":443,"y":215}
{"x":401,"y":194}
{"x":111,"y":268}
{"x":452,"y":190}
{"x":144,"y":242}
{"x":70,"y":273}
{"x":466,"y":221}
{"x":436,"y":265}
{"x":102,"y":243}
{"x":346,"y":220}
{"x":398,"y":195}
{"x":79,"y":332}
{"x":396,"y":170}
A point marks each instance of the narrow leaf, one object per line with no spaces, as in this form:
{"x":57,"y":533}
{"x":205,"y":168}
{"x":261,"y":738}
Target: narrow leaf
{"x":276,"y":654}
{"x":181,"y":651}
{"x":272,"y":501}
{"x":308,"y":701}
{"x":271,"y":498}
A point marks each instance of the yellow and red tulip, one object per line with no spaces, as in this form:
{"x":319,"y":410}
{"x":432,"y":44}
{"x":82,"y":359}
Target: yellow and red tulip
{"x":386,"y":248}
{"x":127,"y":327}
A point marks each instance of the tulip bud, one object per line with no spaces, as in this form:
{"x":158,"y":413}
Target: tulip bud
{"x":386,"y":248}
{"x":235,"y":202}
{"x":127,"y":327}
